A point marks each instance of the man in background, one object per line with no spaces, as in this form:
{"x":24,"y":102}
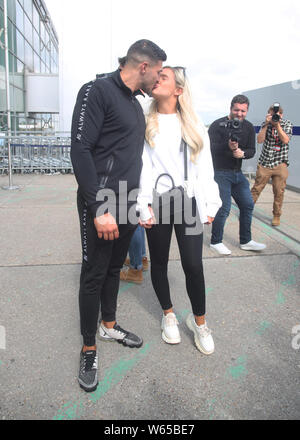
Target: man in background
{"x":273,"y":162}
{"x":232,"y":139}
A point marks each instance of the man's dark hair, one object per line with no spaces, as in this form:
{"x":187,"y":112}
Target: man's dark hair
{"x":145,"y":49}
{"x":240,"y":99}
{"x":122,"y":61}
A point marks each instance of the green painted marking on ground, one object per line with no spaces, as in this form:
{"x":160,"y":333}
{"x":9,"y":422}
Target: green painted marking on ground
{"x":69,"y":411}
{"x":211,"y":404}
{"x":238,"y":370}
{"x":280,"y":299}
{"x":290,"y":281}
{"x":182,"y":315}
{"x":112,"y":376}
{"x":116,"y":372}
{"x":208,"y":290}
{"x":124,"y":288}
{"x":264,"y":325}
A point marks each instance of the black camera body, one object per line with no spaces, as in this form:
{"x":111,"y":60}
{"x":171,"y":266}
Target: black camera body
{"x":276,"y":116}
{"x":234,"y":128}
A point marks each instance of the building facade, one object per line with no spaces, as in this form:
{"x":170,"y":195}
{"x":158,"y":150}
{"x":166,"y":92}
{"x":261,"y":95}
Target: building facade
{"x":33,"y":58}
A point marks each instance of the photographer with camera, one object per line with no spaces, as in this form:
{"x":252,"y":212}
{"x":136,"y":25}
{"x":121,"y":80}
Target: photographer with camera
{"x":275,"y":134}
{"x":232,"y":139}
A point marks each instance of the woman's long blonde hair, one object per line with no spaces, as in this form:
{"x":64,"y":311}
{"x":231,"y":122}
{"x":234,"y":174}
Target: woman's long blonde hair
{"x":185,"y":112}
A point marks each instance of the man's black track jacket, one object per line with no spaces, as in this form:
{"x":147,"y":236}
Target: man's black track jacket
{"x":107,"y":138}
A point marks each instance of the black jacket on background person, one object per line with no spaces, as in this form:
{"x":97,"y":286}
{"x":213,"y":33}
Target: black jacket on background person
{"x":221,"y":153}
{"x":107,"y":138}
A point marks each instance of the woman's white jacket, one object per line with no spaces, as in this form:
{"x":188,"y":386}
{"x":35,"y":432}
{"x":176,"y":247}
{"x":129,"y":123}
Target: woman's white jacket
{"x":201,"y":183}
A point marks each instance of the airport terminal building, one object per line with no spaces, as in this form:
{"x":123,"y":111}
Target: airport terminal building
{"x":29,"y":63}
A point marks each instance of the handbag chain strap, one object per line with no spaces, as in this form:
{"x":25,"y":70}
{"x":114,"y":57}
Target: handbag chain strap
{"x":183,"y":146}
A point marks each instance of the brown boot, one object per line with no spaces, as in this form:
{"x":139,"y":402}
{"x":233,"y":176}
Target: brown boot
{"x":145,"y":263}
{"x":132,"y":275}
{"x":276,"y":220}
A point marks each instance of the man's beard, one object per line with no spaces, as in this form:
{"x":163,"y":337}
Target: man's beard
{"x":147,"y":88}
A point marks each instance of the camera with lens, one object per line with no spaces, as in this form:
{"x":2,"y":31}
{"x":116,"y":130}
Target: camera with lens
{"x":276,"y":116}
{"x":234,"y":128}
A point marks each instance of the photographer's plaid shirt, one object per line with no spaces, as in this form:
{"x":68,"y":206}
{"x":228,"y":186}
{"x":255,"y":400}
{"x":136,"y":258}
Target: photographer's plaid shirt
{"x":274,"y":152}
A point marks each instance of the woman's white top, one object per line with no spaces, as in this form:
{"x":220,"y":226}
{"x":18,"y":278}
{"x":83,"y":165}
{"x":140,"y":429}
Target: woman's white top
{"x":167,"y":157}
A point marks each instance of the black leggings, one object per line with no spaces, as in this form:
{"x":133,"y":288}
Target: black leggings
{"x":190,"y":248}
{"x":100,"y":272}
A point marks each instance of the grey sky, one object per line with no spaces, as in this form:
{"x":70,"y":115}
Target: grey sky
{"x":227,"y":46}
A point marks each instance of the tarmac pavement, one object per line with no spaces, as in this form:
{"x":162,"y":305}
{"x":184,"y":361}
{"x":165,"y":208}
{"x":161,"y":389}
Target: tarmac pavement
{"x":252,"y":309}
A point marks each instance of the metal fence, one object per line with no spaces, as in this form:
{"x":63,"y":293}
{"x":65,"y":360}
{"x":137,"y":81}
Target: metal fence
{"x":36,"y":154}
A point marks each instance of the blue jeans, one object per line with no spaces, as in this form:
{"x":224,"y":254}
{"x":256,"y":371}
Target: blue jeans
{"x":235,"y":184}
{"x":137,"y":249}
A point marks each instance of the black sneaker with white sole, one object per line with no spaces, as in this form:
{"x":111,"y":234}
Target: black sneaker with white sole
{"x":120,"y":335}
{"x":88,"y":370}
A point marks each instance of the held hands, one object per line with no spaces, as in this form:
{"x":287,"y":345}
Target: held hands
{"x":269,"y":121}
{"x":106,"y":227}
{"x":233,"y":145}
{"x":236,"y":151}
{"x":150,"y":222}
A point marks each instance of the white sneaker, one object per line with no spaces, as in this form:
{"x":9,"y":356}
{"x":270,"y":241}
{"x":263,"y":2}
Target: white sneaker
{"x":252,"y":246}
{"x":202,"y":335}
{"x":221,"y":248}
{"x":170,"y":332}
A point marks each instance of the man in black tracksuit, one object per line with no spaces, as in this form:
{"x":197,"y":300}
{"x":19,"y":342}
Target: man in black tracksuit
{"x":108,"y":130}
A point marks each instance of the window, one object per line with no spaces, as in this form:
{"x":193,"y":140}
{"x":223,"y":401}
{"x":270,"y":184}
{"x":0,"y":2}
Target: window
{"x":2,"y":62}
{"x":36,"y":41}
{"x":12,"y":61}
{"x":28,"y":29}
{"x":47,"y":58}
{"x":11,"y":34}
{"x":20,"y":46}
{"x":28,"y":56}
{"x":18,"y":100}
{"x":42,"y":31}
{"x":19,"y":18}
{"x":36,"y":19}
{"x":37,"y":63}
{"x":54,"y":54}
{"x":20,"y":66}
{"x":16,"y":77}
{"x":11,"y":10}
{"x":28,"y":8}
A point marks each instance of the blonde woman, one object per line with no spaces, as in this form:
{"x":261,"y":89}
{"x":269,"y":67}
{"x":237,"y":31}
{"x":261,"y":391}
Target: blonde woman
{"x":172,"y":119}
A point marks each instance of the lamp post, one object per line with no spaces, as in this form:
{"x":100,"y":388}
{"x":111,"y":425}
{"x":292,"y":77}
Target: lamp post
{"x":10,"y":185}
